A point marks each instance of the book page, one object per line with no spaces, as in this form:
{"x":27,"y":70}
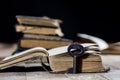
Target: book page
{"x":26,"y":52}
{"x":52,"y":52}
{"x":100,"y":42}
{"x":63,"y":49}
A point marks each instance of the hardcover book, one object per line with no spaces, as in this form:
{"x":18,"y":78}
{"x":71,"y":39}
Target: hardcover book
{"x":105,"y":48}
{"x":38,"y":30}
{"x":44,"y":41}
{"x":39,"y":21}
{"x":59,"y":61}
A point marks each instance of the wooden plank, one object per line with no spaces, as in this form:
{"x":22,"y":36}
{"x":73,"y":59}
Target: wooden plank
{"x":13,"y":76}
{"x":113,"y":61}
{"x":86,"y":76}
{"x":45,"y":76}
{"x":112,"y":75}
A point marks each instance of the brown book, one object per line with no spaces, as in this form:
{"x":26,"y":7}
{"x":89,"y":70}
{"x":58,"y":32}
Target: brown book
{"x":59,"y":60}
{"x":114,"y":49}
{"x":90,"y":63}
{"x":105,"y":48}
{"x":93,"y":39}
{"x":39,"y":21}
{"x":44,"y":41}
{"x":38,"y":30}
{"x":39,"y":36}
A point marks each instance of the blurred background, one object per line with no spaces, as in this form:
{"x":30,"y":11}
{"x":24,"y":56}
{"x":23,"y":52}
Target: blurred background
{"x":79,"y":16}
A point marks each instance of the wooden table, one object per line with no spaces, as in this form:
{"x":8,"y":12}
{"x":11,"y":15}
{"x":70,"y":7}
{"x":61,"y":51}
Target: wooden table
{"x":112,"y":61}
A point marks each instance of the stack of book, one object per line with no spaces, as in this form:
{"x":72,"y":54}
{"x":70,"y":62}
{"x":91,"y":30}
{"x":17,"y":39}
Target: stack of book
{"x":46,"y":46}
{"x":40,"y":31}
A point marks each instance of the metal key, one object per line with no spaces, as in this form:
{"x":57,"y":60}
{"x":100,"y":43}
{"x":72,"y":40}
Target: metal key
{"x":77,"y":62}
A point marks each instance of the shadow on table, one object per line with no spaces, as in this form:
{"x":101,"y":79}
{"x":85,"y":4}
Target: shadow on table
{"x":24,"y":69}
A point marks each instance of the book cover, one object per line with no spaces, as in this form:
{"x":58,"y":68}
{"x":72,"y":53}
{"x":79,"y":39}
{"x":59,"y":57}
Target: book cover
{"x":40,"y":21}
{"x":58,"y":59}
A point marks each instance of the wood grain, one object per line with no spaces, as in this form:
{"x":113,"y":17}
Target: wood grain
{"x":13,"y":76}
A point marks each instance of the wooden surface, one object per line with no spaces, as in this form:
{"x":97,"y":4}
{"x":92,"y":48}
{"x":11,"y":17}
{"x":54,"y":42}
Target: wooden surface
{"x":112,"y":61}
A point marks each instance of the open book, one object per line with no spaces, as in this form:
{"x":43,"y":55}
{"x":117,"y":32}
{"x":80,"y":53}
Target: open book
{"x":57,"y":56}
{"x":105,"y":48}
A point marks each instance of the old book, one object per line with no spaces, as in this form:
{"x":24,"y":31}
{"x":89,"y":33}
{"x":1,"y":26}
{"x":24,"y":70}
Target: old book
{"x":106,"y":48}
{"x":30,"y":41}
{"x":39,"y":21}
{"x":93,"y":39}
{"x":35,"y":53}
{"x":92,"y":63}
{"x":114,"y":49}
{"x":58,"y":58}
{"x":38,"y":30}
{"x":39,"y":36}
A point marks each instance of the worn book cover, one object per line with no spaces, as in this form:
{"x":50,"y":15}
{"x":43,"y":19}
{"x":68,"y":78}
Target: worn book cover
{"x":114,"y":49}
{"x":44,"y":41}
{"x":58,"y":58}
{"x":38,"y":30}
{"x":105,"y":48}
{"x":39,"y":21}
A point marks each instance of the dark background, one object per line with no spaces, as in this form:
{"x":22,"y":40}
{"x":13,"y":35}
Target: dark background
{"x":79,"y":16}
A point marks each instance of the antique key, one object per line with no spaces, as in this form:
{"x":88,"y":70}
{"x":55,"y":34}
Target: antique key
{"x":76,"y":51}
